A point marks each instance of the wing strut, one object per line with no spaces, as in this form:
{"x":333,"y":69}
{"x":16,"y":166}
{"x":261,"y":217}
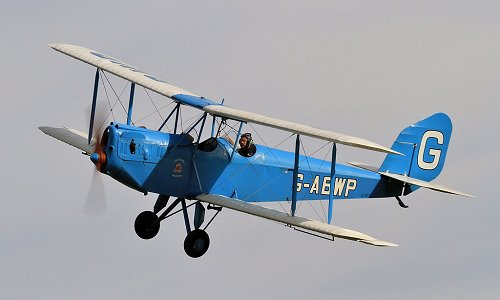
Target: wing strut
{"x":295,"y":175}
{"x":177,"y":118}
{"x":213,"y":126}
{"x":168,"y":118}
{"x":236,"y":142}
{"x":94,"y":99}
{"x":332,"y":183}
{"x":130,"y":103}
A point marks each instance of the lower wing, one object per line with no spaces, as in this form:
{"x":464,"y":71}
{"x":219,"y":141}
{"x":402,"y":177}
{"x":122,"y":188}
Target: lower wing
{"x":293,"y":221}
{"x":70,"y":136}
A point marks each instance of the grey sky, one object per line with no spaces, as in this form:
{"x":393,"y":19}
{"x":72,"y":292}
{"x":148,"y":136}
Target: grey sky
{"x":364,"y":68}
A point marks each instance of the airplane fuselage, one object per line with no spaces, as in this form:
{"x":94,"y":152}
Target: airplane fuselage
{"x":171,"y":164}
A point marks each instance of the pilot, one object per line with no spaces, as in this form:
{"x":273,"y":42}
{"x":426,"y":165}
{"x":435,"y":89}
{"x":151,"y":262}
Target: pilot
{"x":247,"y":147}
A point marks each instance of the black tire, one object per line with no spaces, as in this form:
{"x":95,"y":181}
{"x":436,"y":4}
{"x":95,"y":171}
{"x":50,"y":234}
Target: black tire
{"x":196,"y":243}
{"x":145,"y":226}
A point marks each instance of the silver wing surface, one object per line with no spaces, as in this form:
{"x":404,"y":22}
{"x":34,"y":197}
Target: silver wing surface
{"x":70,"y":136}
{"x":293,"y":221}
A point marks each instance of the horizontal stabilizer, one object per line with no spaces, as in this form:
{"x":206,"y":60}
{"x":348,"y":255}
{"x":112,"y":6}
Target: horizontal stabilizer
{"x":364,"y":166}
{"x":70,"y":136}
{"x":299,"y":222}
{"x":241,"y":115}
{"x":425,"y":184}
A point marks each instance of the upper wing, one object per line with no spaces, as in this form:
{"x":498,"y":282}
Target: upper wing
{"x":164,"y":88}
{"x":300,"y":222}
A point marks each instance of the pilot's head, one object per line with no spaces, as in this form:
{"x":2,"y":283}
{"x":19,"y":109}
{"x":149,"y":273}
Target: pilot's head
{"x":245,"y":140}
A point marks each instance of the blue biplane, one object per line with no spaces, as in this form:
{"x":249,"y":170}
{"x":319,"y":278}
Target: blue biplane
{"x":212,"y":173}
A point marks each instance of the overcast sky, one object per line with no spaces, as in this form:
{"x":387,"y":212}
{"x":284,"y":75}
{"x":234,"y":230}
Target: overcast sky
{"x":364,"y":68}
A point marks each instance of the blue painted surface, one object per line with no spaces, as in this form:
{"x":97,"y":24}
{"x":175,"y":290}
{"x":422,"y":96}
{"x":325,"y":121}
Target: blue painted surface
{"x":425,"y":145}
{"x":130,"y":103}
{"x":295,"y":173}
{"x":198,"y":102}
{"x":332,"y":175}
{"x":166,"y":164}
{"x":267,"y":176}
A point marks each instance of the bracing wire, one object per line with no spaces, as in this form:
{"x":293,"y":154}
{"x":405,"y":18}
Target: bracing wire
{"x":111,"y":107}
{"x":117,"y":97}
{"x":277,"y":177}
{"x":309,"y":166}
{"x":150,"y":114}
{"x":153,"y":104}
{"x":303,"y":197}
{"x":272,"y":152}
{"x":319,"y":168}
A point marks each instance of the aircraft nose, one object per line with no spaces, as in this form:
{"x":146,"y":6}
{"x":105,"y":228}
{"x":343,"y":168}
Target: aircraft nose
{"x":99,"y":159}
{"x":94,"y":158}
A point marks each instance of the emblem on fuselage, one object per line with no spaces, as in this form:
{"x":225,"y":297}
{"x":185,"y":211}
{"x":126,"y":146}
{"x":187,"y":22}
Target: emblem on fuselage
{"x":177,"y":171}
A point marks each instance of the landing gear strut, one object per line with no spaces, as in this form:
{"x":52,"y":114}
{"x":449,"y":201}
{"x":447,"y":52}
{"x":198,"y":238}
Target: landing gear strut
{"x":197,"y":241}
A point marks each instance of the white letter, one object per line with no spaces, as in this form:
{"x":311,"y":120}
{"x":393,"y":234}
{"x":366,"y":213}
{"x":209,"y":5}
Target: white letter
{"x":339,"y":186}
{"x":351,"y":186}
{"x":325,"y":190}
{"x":432,"y":152}
{"x":300,"y":177}
{"x":315,"y":186}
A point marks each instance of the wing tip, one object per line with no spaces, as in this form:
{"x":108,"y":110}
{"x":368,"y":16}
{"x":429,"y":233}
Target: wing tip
{"x":388,"y":150}
{"x":379,"y":243}
{"x":395,"y":152}
{"x":467,"y":195}
{"x":55,"y":45}
{"x":44,"y":129}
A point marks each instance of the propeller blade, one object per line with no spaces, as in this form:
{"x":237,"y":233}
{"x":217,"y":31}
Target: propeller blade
{"x":96,"y":205}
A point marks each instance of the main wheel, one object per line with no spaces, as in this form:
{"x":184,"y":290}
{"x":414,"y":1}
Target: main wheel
{"x":145,"y":225}
{"x":196,"y":243}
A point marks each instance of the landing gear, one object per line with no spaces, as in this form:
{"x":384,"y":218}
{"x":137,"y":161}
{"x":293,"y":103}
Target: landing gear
{"x":146,"y":225}
{"x":196,"y":243}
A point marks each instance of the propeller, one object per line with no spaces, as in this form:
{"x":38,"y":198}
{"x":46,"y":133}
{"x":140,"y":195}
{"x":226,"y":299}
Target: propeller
{"x":96,"y":197}
{"x":95,"y":204}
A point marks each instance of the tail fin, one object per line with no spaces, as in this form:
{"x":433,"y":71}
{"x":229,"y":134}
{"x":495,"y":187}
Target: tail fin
{"x":424,"y":145}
